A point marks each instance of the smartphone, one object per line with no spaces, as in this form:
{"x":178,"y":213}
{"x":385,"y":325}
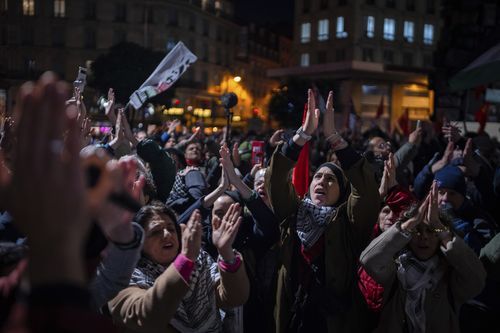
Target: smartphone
{"x":81,"y":79}
{"x":257,"y":152}
{"x":419,"y":123}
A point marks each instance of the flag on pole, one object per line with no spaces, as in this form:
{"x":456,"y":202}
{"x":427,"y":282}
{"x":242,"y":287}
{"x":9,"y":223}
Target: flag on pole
{"x":404,"y":122}
{"x":380,"y":109}
{"x":300,"y":175}
{"x":175,"y":63}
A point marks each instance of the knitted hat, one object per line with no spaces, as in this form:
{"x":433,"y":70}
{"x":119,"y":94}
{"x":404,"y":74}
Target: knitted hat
{"x":339,"y":174}
{"x":451,"y":177}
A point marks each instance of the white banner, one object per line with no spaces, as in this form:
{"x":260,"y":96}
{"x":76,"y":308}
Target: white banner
{"x":166,"y":73}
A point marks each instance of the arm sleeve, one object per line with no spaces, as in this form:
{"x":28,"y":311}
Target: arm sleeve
{"x":196,"y":184}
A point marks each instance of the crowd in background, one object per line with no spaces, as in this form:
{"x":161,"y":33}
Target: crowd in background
{"x":178,"y":231}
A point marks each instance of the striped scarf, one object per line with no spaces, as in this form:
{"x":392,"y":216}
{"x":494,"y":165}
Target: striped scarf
{"x":417,"y":277}
{"x":197,"y":311}
{"x":312,"y":221}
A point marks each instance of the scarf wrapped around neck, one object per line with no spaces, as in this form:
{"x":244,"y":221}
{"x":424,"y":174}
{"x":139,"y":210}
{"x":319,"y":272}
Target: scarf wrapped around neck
{"x":417,"y":278}
{"x":197,"y":311}
{"x":312,"y":221}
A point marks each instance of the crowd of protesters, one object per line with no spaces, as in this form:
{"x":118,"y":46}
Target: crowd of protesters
{"x":176,"y":231}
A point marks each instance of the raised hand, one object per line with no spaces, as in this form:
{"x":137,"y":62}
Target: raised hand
{"x":447,"y":156}
{"x":415,"y":137}
{"x":109,"y":108}
{"x":236,"y":155}
{"x":224,"y":231}
{"x":432,"y":218}
{"x":119,"y":132}
{"x":276,"y":138}
{"x":312,"y":116}
{"x":471,"y":166}
{"x":388,"y":177}
{"x":255,"y":169}
{"x":418,"y":218}
{"x":191,"y":236}
{"x":451,"y":132}
{"x":47,"y":175}
{"x":116,"y":221}
{"x":226,"y":163}
{"x":329,"y":117}
{"x":173,"y":125}
{"x":127,"y":131}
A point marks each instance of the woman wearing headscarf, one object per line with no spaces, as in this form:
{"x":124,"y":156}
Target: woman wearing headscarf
{"x":176,"y":287}
{"x":323,"y":234}
{"x":426,"y":270}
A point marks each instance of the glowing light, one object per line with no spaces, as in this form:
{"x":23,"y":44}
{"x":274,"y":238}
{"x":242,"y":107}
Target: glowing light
{"x":237,"y":79}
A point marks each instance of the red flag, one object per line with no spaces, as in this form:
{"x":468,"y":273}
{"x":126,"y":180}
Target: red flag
{"x":481,"y":116}
{"x":380,"y":109}
{"x":404,"y":122}
{"x":300,"y":175}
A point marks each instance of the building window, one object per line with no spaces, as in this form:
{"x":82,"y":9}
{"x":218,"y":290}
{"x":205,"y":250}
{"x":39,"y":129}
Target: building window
{"x":409,"y":31}
{"x":340,"y":55}
{"x":4,"y":5}
{"x":410,"y":5}
{"x":305,"y":32}
{"x":388,"y":56}
{"x":428,"y":34}
{"x":59,"y":8}
{"x":341,"y":33}
{"x":29,"y":7}
{"x":430,"y":7}
{"x":120,"y":12}
{"x":306,"y":6}
{"x":192,"y":22}
{"x":370,"y":26}
{"x":368,"y":54}
{"x":321,"y":57}
{"x":90,"y":10}
{"x":389,"y":28}
{"x":408,"y":59}
{"x":390,"y":3}
{"x":323,"y":27}
{"x":204,"y":52}
{"x":304,"y":59}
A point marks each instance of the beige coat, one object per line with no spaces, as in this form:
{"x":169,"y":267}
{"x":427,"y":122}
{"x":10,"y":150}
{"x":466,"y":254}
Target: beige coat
{"x":141,"y":310}
{"x":464,"y":279}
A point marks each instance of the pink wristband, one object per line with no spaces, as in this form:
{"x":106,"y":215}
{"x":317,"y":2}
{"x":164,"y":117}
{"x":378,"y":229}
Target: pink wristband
{"x":233,"y":267}
{"x":184,"y":266}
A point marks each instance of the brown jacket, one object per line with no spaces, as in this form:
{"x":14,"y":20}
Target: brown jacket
{"x":346,"y":235}
{"x":464,"y":279}
{"x":141,"y":310}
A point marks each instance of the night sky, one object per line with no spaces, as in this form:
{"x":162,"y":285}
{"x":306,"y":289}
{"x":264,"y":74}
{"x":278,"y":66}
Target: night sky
{"x":276,"y":14}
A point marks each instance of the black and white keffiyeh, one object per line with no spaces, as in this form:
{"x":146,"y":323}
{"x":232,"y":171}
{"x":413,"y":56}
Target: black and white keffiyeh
{"x":197,"y":311}
{"x":312,"y":221}
{"x":417,"y":277}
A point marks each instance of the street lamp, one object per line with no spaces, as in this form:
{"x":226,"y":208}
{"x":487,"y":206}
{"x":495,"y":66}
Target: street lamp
{"x":237,"y":79}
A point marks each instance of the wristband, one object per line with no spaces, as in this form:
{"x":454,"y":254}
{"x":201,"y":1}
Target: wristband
{"x":300,"y":132}
{"x":337,"y":141}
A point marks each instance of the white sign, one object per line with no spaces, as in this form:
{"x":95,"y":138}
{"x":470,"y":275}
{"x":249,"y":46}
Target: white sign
{"x":163,"y":77}
{"x":492,"y":95}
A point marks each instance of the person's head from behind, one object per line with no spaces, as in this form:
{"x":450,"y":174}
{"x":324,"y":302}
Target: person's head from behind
{"x":380,"y":147}
{"x":451,"y":186}
{"x":193,"y":152}
{"x":221,"y":206}
{"x":327,"y":185}
{"x":162,"y":233}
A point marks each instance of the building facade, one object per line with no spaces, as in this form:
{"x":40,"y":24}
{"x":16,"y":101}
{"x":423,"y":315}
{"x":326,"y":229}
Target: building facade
{"x":377,"y":50}
{"x":60,"y":35}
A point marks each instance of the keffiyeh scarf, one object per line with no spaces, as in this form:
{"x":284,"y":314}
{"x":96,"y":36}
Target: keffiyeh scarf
{"x":311,"y":221}
{"x":197,"y":311}
{"x":417,"y":277}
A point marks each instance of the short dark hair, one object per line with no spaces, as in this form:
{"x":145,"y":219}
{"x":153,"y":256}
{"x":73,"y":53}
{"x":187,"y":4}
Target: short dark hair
{"x":155,"y":208}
